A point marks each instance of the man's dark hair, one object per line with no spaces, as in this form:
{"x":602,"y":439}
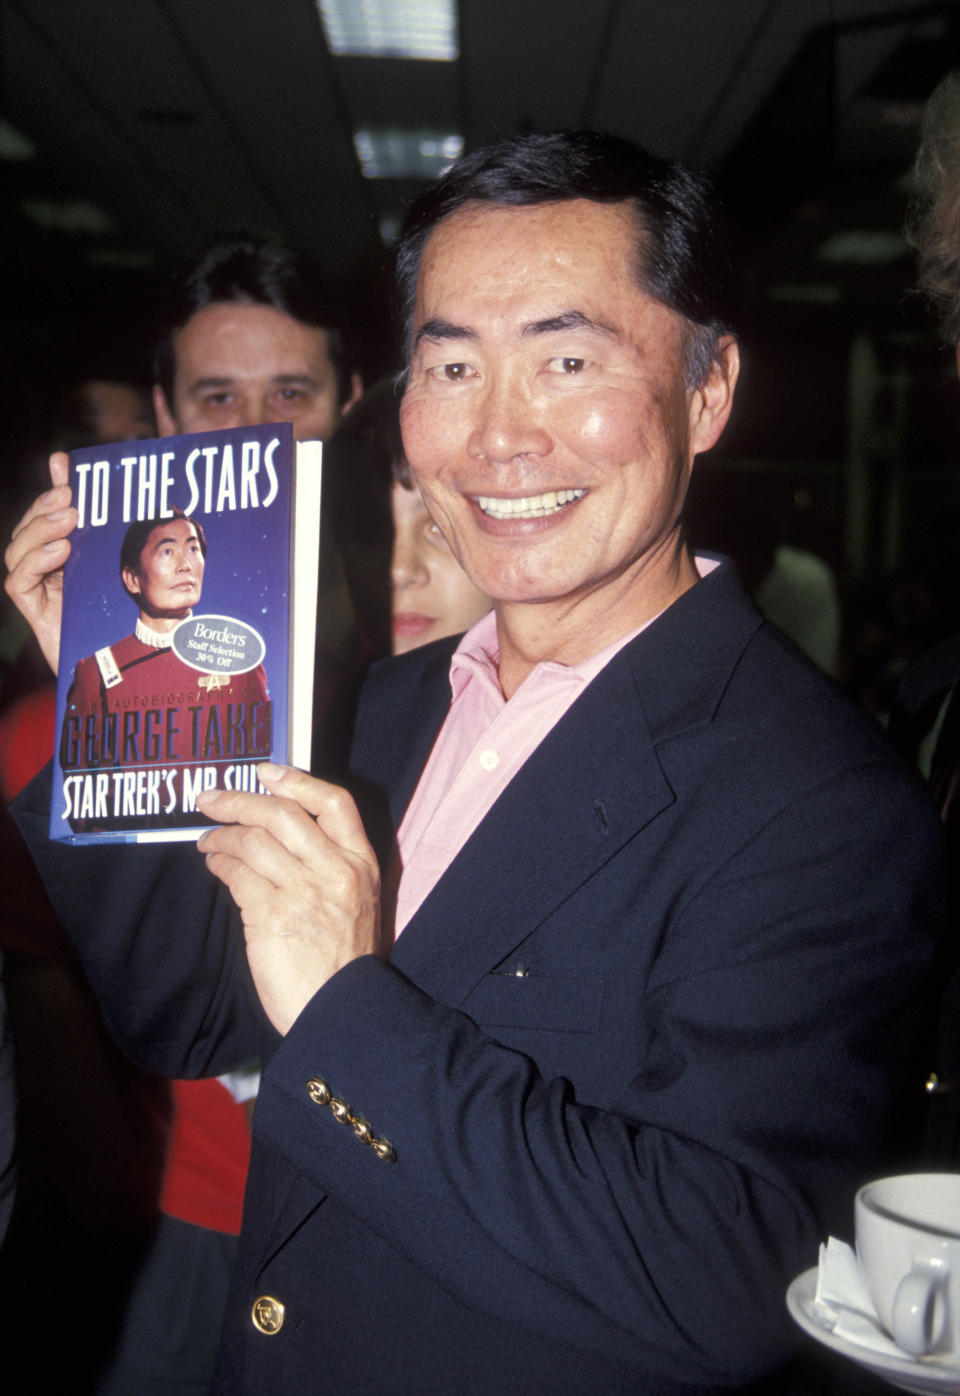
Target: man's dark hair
{"x":135,"y":540}
{"x":251,"y":273}
{"x":683,"y":256}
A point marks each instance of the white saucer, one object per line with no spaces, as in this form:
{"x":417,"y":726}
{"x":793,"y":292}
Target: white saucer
{"x":907,"y":1373}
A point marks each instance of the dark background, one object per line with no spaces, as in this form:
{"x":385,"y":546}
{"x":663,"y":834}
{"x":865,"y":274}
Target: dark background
{"x":149,"y":128}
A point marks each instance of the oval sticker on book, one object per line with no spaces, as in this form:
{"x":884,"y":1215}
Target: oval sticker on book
{"x":218,"y":644}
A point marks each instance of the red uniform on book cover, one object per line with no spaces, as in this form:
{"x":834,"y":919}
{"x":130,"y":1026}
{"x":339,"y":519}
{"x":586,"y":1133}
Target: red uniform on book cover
{"x":189,"y":540}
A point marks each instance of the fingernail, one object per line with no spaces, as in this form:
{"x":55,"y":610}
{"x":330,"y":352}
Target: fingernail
{"x":268,"y":770}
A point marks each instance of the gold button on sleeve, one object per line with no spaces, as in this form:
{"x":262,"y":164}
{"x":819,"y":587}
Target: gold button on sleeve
{"x":384,"y":1150}
{"x":318,"y":1090}
{"x":267,"y":1314}
{"x":344,"y":1114}
{"x":361,"y":1129}
{"x":340,"y":1110}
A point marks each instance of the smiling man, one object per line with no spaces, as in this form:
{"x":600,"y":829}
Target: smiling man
{"x":568,"y":1105}
{"x":550,"y":425}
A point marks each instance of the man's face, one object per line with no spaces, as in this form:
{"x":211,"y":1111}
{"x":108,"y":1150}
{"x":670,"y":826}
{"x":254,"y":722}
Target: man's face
{"x":239,"y":364}
{"x":546,"y":416}
{"x":169,"y":576}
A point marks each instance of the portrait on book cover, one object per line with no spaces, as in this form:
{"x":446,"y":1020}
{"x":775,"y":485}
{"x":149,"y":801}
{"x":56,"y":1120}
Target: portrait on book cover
{"x":139,"y":702}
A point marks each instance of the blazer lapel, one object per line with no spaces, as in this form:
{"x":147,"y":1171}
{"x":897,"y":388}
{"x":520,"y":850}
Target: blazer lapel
{"x":589,"y":786}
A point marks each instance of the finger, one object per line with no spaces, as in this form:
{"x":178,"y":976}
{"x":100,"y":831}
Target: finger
{"x":257,"y":849}
{"x":51,"y":502}
{"x":34,"y":557}
{"x":293,"y":826}
{"x":59,"y":467}
{"x":252,"y":893}
{"x":274,"y":836}
{"x":35,"y":563}
{"x":40,"y":545}
{"x":330,"y":805}
{"x":234,"y":806}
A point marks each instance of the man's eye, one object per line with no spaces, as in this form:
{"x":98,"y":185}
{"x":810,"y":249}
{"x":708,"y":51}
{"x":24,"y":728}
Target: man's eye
{"x":219,"y":399}
{"x":451,"y":373}
{"x":291,"y":394}
{"x":566,"y":364}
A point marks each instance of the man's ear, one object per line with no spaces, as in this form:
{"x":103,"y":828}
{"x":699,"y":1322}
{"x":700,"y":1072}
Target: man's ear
{"x":356,"y":393}
{"x":710,"y":404}
{"x":166,"y":426}
{"x":131,"y":581}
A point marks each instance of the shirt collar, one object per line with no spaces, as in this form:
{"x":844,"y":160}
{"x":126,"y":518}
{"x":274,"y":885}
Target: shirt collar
{"x":477,"y":656}
{"x":156,"y":639}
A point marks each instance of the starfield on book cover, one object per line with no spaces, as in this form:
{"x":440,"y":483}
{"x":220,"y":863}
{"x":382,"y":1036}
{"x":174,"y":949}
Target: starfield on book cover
{"x":174,"y":654}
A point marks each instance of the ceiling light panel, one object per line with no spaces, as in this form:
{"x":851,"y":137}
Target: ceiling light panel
{"x":394,"y":153}
{"x":391,"y":28}
{"x":74,"y":217}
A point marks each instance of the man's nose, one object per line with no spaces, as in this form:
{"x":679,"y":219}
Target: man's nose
{"x":508,"y":425}
{"x":248,"y":412}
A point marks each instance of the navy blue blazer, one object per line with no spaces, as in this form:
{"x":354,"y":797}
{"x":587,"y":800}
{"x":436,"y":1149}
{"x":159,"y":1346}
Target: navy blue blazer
{"x":626,"y":1065}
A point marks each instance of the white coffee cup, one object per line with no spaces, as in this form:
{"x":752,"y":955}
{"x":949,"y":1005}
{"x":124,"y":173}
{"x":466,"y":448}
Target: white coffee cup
{"x":908,"y":1247}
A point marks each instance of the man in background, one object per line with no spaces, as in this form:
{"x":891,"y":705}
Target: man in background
{"x":247,"y":336}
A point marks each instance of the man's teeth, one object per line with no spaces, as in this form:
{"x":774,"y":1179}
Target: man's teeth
{"x":534,"y":506}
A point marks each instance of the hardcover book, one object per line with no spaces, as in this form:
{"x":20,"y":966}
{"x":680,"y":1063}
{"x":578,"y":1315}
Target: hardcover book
{"x":189,"y":612}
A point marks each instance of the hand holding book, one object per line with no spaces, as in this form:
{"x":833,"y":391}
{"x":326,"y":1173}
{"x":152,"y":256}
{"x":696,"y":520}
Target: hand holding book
{"x":298,"y":864}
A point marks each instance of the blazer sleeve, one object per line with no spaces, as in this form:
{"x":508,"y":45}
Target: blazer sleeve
{"x":160,"y":941}
{"x":661,"y":1228}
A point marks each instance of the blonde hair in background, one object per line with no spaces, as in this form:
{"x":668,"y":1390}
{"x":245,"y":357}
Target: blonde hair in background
{"x":933,"y":226}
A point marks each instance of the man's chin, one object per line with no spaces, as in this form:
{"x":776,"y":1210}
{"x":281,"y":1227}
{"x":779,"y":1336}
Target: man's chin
{"x":156,"y":615}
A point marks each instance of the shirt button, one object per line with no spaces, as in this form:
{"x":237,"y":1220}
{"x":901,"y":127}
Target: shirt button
{"x":267,"y":1314}
{"x":489,"y":759}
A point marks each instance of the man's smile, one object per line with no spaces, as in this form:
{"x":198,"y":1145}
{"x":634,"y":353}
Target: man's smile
{"x":533,"y":506}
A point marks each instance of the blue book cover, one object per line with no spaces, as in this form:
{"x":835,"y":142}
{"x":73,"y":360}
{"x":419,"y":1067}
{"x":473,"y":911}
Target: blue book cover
{"x":176,"y":647}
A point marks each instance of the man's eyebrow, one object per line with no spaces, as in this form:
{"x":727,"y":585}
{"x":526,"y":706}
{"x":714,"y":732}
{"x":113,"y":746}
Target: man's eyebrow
{"x":570,"y":320}
{"x":439,"y":329}
{"x":202,"y":385}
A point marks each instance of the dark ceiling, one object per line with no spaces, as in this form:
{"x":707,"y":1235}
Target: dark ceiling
{"x":159,"y":126}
